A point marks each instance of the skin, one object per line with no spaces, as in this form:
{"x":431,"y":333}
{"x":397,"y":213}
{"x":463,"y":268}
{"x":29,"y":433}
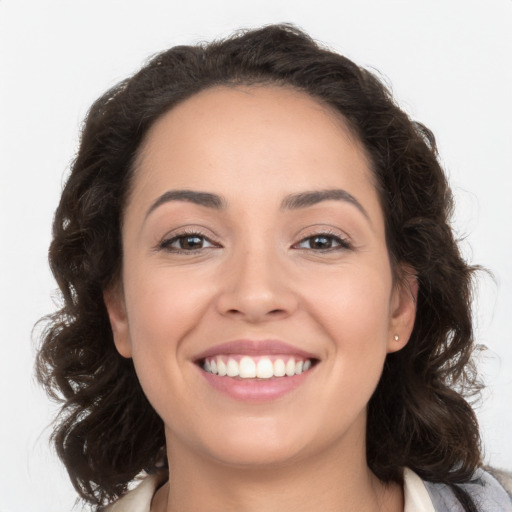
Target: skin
{"x":256,"y":273}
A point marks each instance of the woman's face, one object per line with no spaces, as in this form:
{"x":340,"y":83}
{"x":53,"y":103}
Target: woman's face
{"x":254,"y":243}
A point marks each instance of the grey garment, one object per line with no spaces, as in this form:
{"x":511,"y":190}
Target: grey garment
{"x":487,"y":493}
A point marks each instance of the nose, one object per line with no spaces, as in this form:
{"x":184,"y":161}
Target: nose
{"x":257,"y":288}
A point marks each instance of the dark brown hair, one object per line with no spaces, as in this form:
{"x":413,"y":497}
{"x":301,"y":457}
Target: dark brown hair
{"x":107,"y":431}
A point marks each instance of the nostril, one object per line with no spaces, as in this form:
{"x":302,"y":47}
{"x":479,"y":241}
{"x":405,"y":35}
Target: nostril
{"x":254,"y":305}
{"x":271,"y":312}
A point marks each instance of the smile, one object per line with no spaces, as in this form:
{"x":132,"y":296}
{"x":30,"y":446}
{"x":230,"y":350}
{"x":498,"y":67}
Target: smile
{"x":256,"y":371}
{"x":261,"y":367}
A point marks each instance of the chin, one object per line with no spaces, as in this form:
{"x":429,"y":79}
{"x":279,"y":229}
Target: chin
{"x":262,"y":444}
{"x":257,"y":456}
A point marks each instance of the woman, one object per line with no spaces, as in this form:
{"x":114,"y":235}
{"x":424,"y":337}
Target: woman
{"x":262,"y":293}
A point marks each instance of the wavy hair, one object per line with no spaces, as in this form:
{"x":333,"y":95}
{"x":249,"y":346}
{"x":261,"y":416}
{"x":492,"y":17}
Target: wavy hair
{"x":419,"y":415}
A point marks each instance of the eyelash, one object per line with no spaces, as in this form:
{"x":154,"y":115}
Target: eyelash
{"x":342,"y":243}
{"x":166,"y":245}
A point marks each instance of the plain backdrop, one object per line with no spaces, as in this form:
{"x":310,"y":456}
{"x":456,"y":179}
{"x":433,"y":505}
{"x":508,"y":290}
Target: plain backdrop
{"x":449,"y":63}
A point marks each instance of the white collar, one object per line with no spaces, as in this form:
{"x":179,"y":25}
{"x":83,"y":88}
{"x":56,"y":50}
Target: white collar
{"x":139,"y":499}
{"x":416,"y":498}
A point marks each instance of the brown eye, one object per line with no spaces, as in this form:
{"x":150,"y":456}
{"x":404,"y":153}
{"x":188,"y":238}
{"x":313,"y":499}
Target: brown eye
{"x":323,"y":242}
{"x":190,"y":242}
{"x":187,"y":243}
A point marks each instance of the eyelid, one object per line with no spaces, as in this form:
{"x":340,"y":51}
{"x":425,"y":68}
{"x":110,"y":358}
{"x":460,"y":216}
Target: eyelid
{"x":164,"y":244}
{"x":343,"y":241}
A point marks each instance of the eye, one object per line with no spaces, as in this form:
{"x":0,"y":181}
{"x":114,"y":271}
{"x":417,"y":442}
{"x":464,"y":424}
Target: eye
{"x":323,"y":242}
{"x":187,"y":242}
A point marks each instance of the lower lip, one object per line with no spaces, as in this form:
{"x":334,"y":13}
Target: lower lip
{"x":255,"y":390}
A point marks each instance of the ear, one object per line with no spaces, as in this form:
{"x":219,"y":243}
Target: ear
{"x":116,"y":309}
{"x":403,"y":308}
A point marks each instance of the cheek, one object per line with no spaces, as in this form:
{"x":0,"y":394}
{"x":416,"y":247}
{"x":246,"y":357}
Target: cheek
{"x":163,"y":305}
{"x":353,"y":310}
{"x":355,"y":297}
{"x":163,"y":308}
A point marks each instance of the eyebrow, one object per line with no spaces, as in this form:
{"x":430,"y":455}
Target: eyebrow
{"x":206,"y":199}
{"x":290,"y":202}
{"x":305,"y":199}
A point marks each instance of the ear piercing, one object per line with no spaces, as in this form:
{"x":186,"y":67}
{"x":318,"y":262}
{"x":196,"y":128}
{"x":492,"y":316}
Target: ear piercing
{"x":396,"y":337}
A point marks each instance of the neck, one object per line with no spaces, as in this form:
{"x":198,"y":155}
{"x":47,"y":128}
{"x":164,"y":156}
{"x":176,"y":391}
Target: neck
{"x":333,"y":481}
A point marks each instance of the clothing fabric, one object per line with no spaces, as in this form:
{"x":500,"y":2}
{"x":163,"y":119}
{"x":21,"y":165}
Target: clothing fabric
{"x":487,"y":492}
{"x":416,"y":497}
{"x":490,"y":490}
{"x":139,"y":499}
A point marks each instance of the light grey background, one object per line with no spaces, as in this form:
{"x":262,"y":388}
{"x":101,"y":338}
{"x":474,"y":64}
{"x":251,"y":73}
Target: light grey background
{"x":450,"y":65}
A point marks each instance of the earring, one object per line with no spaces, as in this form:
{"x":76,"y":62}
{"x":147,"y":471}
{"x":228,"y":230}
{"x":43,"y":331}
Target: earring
{"x":396,"y":337}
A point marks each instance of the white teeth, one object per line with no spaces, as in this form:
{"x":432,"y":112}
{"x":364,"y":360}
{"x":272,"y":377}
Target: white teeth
{"x":261,"y":368}
{"x":279,"y":368}
{"x":247,"y":368}
{"x":221,"y":368}
{"x":232,"y":368}
{"x":290,"y":367}
{"x":264,"y":369}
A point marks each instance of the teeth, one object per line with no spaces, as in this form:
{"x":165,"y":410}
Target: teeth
{"x":247,"y":368}
{"x":221,"y":368}
{"x":279,"y":368}
{"x":232,"y":368}
{"x":290,"y":367}
{"x":262,"y":368}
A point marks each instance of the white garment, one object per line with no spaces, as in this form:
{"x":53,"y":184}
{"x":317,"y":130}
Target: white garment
{"x":416,"y":498}
{"x":139,"y":500}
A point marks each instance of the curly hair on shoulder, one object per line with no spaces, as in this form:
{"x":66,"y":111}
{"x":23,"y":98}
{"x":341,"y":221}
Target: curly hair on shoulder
{"x":419,"y":415}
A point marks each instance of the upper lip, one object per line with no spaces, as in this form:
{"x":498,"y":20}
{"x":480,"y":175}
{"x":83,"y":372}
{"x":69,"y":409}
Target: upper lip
{"x":255,"y":348}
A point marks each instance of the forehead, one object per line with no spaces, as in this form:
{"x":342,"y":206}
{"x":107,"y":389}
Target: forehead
{"x":254,"y":108}
{"x":243,"y":138}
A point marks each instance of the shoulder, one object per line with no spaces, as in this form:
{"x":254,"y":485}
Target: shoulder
{"x":489,"y":489}
{"x":139,"y":498}
{"x":503,"y":477}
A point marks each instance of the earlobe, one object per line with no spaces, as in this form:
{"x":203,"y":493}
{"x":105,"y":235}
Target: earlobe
{"x":116,"y":309}
{"x":403,"y":309}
